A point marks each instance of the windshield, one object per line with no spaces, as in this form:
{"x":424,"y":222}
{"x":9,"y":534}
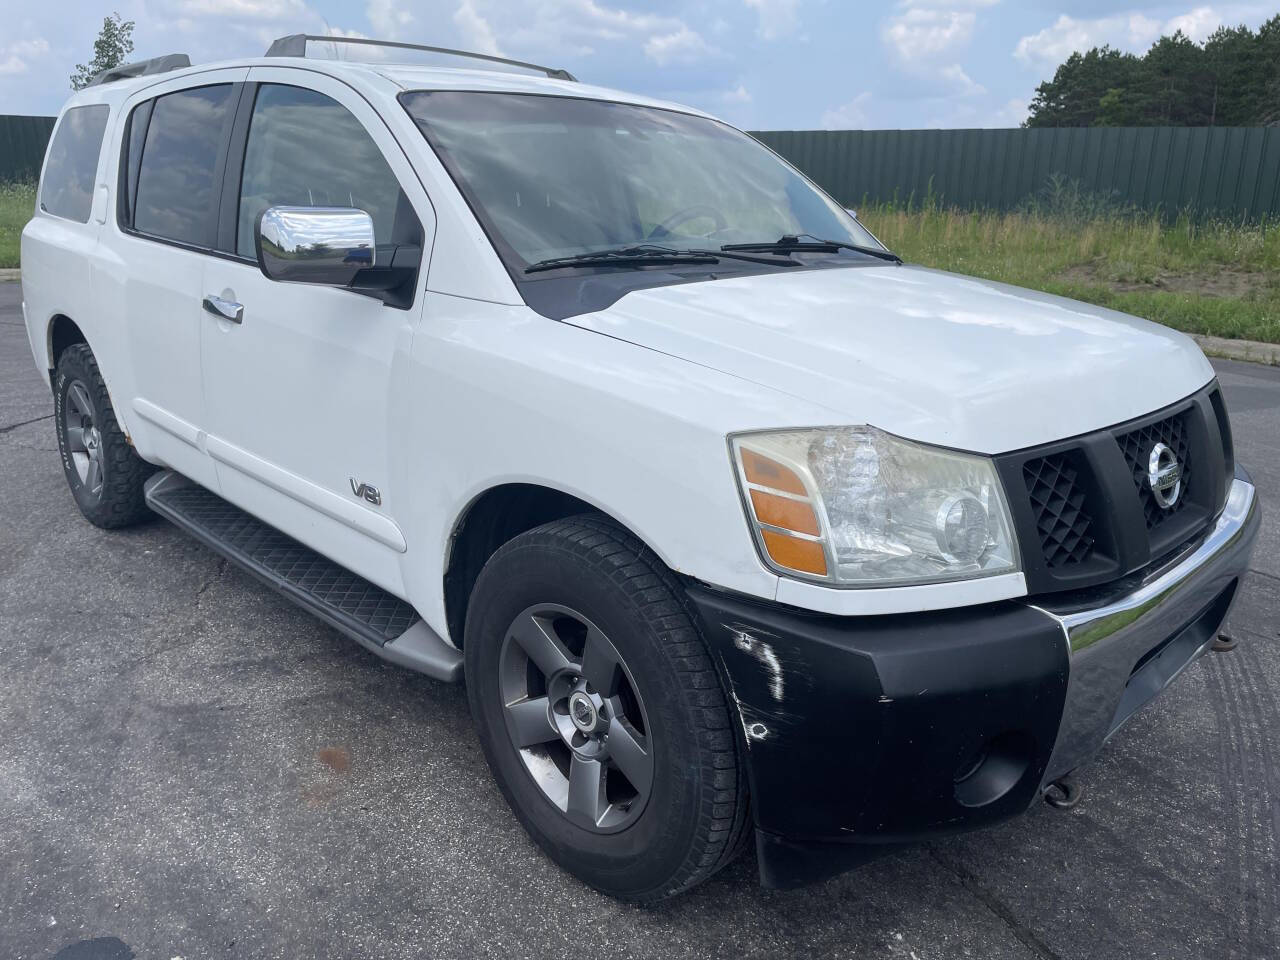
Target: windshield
{"x":556,"y":177}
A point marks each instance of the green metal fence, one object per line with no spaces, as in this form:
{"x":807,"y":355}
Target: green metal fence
{"x":1231,"y":172}
{"x":22,"y":144}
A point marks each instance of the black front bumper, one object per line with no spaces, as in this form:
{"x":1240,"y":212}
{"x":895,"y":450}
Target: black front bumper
{"x":857,"y":728}
{"x":862,"y":733}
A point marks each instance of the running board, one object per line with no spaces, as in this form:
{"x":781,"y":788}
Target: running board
{"x":386,"y":625}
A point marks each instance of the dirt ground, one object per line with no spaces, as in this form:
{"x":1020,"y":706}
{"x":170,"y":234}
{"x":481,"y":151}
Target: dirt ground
{"x":1220,"y":283}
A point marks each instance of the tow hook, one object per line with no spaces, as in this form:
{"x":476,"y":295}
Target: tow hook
{"x":1223,"y":643}
{"x":1063,"y":793}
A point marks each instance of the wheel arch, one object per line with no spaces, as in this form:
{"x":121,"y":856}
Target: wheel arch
{"x":63,"y":332}
{"x":492,"y":518}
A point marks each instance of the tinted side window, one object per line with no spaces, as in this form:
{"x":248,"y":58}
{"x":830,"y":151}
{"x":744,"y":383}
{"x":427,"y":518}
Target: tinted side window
{"x":67,"y":188}
{"x":177,"y":192}
{"x":307,"y":150}
{"x":135,"y":132}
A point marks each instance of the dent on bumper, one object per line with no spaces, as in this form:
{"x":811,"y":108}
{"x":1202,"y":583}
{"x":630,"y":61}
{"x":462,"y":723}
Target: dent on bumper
{"x":862,"y":733}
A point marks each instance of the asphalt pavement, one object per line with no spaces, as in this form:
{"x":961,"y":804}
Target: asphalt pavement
{"x":192,"y":767}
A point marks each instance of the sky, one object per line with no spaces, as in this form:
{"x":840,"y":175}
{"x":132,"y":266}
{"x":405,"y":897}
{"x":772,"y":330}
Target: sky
{"x":760,"y":64}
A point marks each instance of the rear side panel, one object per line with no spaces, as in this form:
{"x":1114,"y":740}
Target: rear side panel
{"x":57,"y":250}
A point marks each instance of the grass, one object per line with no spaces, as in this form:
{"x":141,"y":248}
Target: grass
{"x":17,"y":201}
{"x":1201,"y":277}
{"x":1213,"y":278}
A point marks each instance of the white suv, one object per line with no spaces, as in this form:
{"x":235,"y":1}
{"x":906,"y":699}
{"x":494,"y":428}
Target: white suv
{"x":745,"y":531}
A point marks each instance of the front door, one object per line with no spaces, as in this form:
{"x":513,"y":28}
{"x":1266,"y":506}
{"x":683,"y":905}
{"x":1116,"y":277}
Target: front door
{"x":300,"y":379}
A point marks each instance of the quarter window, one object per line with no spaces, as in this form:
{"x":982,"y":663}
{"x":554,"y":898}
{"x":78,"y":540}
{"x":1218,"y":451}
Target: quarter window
{"x":307,"y":150}
{"x":176,"y":195}
{"x":69,"y":173}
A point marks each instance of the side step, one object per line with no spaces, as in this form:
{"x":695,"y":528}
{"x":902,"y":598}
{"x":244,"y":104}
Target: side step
{"x":375,"y":619}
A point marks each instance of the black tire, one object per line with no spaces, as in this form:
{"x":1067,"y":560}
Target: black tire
{"x":694,"y":820}
{"x":119,"y":500}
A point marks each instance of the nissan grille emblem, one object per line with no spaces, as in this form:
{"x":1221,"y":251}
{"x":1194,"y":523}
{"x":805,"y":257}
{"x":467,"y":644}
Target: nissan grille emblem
{"x":1164,"y":473}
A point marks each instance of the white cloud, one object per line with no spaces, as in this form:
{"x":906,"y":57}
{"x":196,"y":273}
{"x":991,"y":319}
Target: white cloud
{"x":1197,"y":24}
{"x":958,"y":82}
{"x":1132,"y":31}
{"x":1012,"y":113}
{"x":580,"y":27}
{"x":1052,"y":45}
{"x":17,"y":57}
{"x":775,"y":18}
{"x":681,"y":44}
{"x":848,"y":116}
{"x":922,"y":32}
{"x":242,"y":9}
{"x":739,"y":94}
{"x":387,"y":18}
{"x":926,"y":34}
{"x":475,"y":30}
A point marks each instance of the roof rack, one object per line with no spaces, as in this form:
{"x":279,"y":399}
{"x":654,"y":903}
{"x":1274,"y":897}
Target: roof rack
{"x":296,"y":46}
{"x":141,"y":68}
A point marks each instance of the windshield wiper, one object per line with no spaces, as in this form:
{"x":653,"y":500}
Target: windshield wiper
{"x":790,"y":243}
{"x":642,"y":254}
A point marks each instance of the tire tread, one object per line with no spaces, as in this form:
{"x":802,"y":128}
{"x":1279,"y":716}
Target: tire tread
{"x":122,"y":503}
{"x":722,"y":831}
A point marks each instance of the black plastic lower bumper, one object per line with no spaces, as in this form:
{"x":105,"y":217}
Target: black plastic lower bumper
{"x":862,"y":733}
{"x":867,"y":732}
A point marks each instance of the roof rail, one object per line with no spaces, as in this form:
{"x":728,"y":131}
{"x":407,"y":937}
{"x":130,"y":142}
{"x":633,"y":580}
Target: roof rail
{"x":295,"y":45}
{"x":141,"y":68}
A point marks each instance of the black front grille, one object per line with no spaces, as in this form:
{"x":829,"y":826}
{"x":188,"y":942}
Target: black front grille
{"x":1137,"y":445}
{"x":1083,"y":508}
{"x":1058,"y":500}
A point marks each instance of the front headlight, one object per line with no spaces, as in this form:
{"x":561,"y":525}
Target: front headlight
{"x":855,"y":506}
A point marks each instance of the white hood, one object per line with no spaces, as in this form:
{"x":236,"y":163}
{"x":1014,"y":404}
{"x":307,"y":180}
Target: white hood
{"x":931,"y":356}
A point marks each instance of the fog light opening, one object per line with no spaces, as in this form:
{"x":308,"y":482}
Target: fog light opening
{"x":993,"y":769}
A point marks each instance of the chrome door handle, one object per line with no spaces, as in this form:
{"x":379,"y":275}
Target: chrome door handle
{"x":224,"y":309}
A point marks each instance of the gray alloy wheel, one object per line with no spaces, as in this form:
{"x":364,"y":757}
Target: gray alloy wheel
{"x":575,"y":716}
{"x":103,"y":470}
{"x":601,"y":713}
{"x":84,"y":438}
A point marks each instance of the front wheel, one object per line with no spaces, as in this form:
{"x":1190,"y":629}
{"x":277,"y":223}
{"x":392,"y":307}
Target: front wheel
{"x":600,"y":711}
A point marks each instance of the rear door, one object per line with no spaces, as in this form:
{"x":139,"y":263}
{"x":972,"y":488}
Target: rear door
{"x":301,"y":391}
{"x":173,"y":154}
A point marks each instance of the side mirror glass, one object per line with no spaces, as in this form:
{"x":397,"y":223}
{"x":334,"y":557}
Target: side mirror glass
{"x":326,"y":245}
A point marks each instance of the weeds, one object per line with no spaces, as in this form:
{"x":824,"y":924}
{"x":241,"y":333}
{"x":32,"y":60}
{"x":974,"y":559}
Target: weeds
{"x":1197,"y":275}
{"x":17,"y":202}
{"x":1090,"y":248}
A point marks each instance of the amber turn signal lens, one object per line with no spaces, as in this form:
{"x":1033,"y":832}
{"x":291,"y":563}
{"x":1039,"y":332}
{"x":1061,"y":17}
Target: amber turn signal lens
{"x":777,"y":511}
{"x":807,"y":556}
{"x":770,"y":473}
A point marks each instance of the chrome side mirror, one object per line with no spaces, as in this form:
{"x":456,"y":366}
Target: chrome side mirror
{"x":325,"y":245}
{"x":851,"y":212}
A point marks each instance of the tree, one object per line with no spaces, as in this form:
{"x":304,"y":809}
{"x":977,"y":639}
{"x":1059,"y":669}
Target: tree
{"x":1232,"y":79}
{"x":1177,"y":84}
{"x":1073,"y":97}
{"x":114,"y":44}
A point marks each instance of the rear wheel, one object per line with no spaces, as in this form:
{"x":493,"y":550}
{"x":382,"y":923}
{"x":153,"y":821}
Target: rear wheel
{"x":601,"y":713}
{"x":103,"y":470}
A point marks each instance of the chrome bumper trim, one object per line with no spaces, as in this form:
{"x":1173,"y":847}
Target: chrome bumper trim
{"x":1105,"y":643}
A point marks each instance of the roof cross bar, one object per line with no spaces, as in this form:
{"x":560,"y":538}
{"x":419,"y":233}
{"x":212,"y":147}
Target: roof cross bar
{"x":142,"y":68}
{"x":296,"y":46}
